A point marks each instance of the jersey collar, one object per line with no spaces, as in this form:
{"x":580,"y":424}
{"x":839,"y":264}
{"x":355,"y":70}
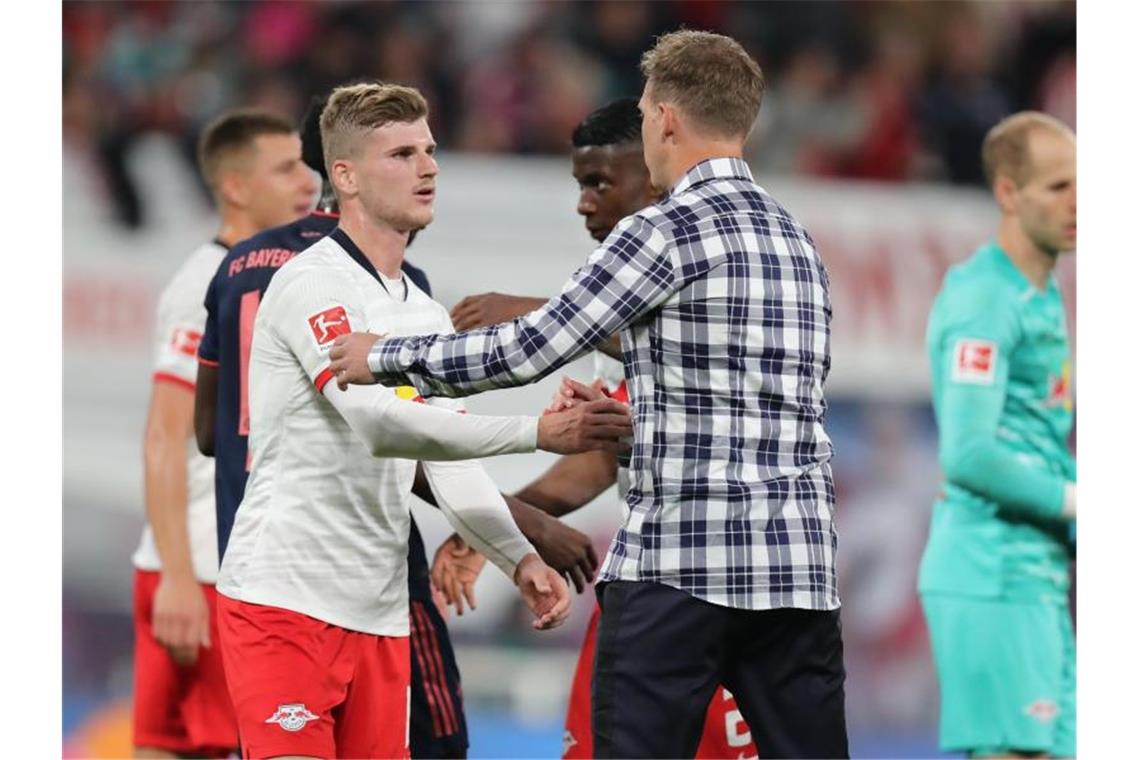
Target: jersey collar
{"x":353,"y":250}
{"x":1011,"y":270}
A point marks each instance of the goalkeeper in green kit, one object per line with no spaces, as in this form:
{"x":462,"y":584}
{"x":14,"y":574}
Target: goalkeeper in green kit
{"x":994,"y":578}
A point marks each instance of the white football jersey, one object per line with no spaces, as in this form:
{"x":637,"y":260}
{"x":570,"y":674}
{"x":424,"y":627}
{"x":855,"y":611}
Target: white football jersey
{"x":323,"y":527}
{"x":179,"y":322}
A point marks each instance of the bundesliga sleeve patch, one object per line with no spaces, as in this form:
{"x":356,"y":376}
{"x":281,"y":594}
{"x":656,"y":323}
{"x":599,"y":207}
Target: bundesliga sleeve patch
{"x":328,"y":324}
{"x":185,"y":341}
{"x":975,"y":361}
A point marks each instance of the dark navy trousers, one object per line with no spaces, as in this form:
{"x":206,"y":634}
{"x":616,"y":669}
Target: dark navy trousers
{"x":662,"y":652}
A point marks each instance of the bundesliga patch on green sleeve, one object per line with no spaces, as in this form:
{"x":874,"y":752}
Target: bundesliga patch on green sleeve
{"x":974,"y":361}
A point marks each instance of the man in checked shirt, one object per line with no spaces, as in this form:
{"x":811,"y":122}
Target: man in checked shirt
{"x":724,"y":571}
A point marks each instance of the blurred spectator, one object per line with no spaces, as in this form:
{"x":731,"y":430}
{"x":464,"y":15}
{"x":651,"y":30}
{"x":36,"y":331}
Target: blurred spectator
{"x":616,"y":34}
{"x":886,"y":88}
{"x":851,"y":92}
{"x":809,"y":120}
{"x":963,"y":100}
{"x":1043,"y":71}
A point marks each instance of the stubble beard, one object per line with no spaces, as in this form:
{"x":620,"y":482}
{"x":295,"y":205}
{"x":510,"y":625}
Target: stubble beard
{"x":403,"y":220}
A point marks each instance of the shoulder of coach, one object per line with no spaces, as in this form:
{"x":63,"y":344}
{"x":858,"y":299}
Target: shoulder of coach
{"x":722,"y":206}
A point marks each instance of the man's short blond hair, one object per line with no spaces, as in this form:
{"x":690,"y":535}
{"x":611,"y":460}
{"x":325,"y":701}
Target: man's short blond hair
{"x":710,"y":77}
{"x":1005,"y":150}
{"x":354,"y":110}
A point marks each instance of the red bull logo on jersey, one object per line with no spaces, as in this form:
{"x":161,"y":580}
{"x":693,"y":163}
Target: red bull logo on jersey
{"x":292,"y":717}
{"x":185,"y":341}
{"x":975,"y":361}
{"x":1060,"y":389}
{"x":328,"y":324}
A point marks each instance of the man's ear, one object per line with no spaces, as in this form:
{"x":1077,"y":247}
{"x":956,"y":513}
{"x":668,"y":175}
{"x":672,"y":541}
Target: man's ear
{"x":670,"y":120}
{"x":342,"y":176}
{"x":233,"y":189}
{"x":1005,"y":191}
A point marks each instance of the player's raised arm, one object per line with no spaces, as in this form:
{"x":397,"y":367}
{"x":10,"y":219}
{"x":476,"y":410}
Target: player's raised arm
{"x":394,"y":426}
{"x":488,"y":309}
{"x":974,"y":366}
{"x":629,"y":275}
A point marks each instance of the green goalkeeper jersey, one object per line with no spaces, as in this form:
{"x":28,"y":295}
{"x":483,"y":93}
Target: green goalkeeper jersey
{"x":1001,"y":381}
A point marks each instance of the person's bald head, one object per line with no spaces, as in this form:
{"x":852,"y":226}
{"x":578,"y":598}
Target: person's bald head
{"x":1007,"y":149}
{"x":1030,"y":160}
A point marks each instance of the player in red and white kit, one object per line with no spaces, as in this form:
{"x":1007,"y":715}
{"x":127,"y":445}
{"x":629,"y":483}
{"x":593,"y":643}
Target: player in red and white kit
{"x":613,"y":182}
{"x":313,"y":601}
{"x":252,"y":162}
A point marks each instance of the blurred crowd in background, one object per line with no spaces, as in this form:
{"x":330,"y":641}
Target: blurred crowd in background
{"x":895,"y":92}
{"x":889,"y":91}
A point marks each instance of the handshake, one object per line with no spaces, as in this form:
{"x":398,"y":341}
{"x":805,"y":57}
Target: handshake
{"x":582,"y":418}
{"x":572,"y":394}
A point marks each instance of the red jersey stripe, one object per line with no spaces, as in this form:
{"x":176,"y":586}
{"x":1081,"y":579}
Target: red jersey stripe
{"x":323,"y":379}
{"x":166,"y":377}
{"x":435,"y":659}
{"x":438,"y":720}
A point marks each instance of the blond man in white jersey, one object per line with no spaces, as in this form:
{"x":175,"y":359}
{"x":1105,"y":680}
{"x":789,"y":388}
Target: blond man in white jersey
{"x":313,"y":607}
{"x":252,"y":162}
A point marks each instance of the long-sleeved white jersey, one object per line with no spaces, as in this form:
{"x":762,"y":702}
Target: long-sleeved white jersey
{"x":323,"y":526}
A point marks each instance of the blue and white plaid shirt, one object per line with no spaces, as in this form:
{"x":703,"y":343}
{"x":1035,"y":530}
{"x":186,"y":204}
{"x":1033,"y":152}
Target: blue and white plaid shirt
{"x":723,"y":307}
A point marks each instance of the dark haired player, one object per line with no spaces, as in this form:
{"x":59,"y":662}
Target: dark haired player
{"x":613,"y":182}
{"x":221,"y":421}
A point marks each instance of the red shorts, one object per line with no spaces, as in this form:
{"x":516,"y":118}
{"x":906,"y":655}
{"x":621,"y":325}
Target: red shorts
{"x":302,"y":686}
{"x":180,"y":709}
{"x":725,"y":733}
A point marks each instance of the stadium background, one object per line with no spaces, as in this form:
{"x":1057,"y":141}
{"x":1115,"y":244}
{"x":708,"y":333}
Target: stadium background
{"x":869,"y":133}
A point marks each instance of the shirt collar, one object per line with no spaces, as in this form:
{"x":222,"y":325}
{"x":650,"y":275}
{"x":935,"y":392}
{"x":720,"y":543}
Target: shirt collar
{"x":353,"y":250}
{"x":1011,"y":270}
{"x":726,"y":167}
